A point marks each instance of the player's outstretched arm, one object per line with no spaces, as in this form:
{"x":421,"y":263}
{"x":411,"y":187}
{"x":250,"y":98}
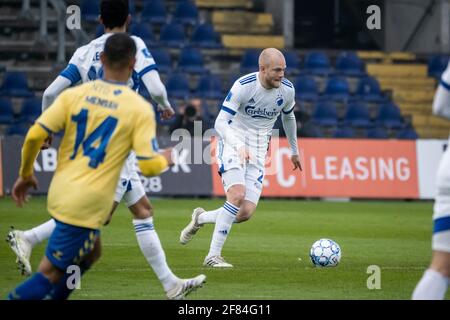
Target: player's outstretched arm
{"x":31,"y":146}
{"x":158,"y":91}
{"x":153,"y":166}
{"x":290,"y":128}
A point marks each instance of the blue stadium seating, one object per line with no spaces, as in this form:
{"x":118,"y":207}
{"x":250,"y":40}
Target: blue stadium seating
{"x":349,"y":64}
{"x":337,"y":88}
{"x":317,"y":63}
{"x":143,"y":31}
{"x":154,"y":11}
{"x":325,"y":114}
{"x":436,"y":65}
{"x":292,"y":62}
{"x":369,"y":90}
{"x":407,"y":134}
{"x":31,"y":110}
{"x":172,"y":35}
{"x":358,"y":115}
{"x":249,"y":61}
{"x":163,"y":60}
{"x":186,"y":12}
{"x":377,"y":133}
{"x":204,"y":36}
{"x":389,"y":116}
{"x":6,"y":112}
{"x":344,"y":132}
{"x":15,"y":85}
{"x":20,"y":129}
{"x":306,"y":88}
{"x":210,"y":87}
{"x":191,"y":61}
{"x":90,"y":10}
{"x":178,"y":86}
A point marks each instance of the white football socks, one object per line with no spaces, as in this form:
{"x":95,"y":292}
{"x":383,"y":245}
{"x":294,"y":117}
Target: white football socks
{"x":224,"y":221}
{"x":152,"y":250}
{"x":432,"y":286}
{"x":208,"y":216}
{"x":40,"y":233}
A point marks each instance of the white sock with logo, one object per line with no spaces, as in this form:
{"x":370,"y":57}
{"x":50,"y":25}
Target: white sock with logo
{"x":224,"y":221}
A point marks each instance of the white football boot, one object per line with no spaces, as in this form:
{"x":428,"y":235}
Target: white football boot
{"x":22,"y":249}
{"x":216,"y":262}
{"x":185,"y":287}
{"x":191,"y":229}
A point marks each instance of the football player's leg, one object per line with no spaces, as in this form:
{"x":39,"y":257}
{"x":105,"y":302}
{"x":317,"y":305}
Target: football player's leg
{"x":22,"y":243}
{"x":67,"y":246}
{"x":435,"y":280}
{"x":234,"y":183}
{"x":254,"y":176}
{"x":62,"y":290}
{"x":146,"y":235}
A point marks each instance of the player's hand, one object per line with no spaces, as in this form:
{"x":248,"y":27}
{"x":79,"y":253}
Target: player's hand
{"x":296,"y":162}
{"x":166,"y":113}
{"x":47,"y":142}
{"x":167,"y":153}
{"x":21,"y":187}
{"x":109,"y":219}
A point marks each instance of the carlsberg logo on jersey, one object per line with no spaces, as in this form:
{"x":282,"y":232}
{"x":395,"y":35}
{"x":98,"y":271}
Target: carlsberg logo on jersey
{"x":260,"y":113}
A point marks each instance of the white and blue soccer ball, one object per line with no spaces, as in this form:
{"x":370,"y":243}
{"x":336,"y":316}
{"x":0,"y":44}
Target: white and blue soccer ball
{"x":325,"y":253}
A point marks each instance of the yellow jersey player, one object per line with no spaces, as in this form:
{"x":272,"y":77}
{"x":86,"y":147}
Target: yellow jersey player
{"x":102,"y":122}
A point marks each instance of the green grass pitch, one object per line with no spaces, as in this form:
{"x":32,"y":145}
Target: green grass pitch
{"x":270,"y":252}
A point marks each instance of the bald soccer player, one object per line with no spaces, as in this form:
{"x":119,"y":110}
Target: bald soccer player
{"x":244,"y":125}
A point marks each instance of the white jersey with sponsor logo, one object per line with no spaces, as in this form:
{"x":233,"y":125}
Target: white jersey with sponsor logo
{"x":85,"y":65}
{"x":256,"y":109}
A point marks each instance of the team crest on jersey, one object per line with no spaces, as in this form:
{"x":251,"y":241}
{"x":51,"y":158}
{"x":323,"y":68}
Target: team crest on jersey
{"x":279,"y":100}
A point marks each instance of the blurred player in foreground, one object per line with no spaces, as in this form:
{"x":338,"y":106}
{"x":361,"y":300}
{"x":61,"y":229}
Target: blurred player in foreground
{"x":244,"y":125}
{"x":102,"y":122}
{"x":435,"y":281}
{"x":84,"y":66}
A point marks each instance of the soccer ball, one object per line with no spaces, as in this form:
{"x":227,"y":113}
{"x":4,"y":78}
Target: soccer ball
{"x":325,"y":253}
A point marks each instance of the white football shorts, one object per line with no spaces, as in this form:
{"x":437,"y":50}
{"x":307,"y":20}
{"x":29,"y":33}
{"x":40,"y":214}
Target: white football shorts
{"x":130,"y":188}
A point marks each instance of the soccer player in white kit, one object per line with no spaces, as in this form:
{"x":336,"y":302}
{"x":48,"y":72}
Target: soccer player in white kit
{"x":244,"y":125}
{"x":435,"y":281}
{"x":85,"y":66}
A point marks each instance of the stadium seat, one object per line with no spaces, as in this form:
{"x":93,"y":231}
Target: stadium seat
{"x":249,"y":61}
{"x":377,"y":133}
{"x":154,"y":11}
{"x":143,"y":31}
{"x":344,"y":132}
{"x":20,"y":129}
{"x":349,"y":64}
{"x":317,"y":63}
{"x":292,"y":62}
{"x":15,"y":85}
{"x":210,"y":87}
{"x":306,"y":88}
{"x":437,"y":65}
{"x":389,"y":116}
{"x":325,"y":114}
{"x":172,"y":35}
{"x":357,"y":115}
{"x":6,"y":112}
{"x":90,"y":10}
{"x":407,"y":134}
{"x":162,"y":59}
{"x":369,"y":90}
{"x":178,"y":86}
{"x":99,"y":31}
{"x":337,"y":88}
{"x":191,"y":61}
{"x":31,"y":110}
{"x":186,"y":12}
{"x":204,"y":36}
